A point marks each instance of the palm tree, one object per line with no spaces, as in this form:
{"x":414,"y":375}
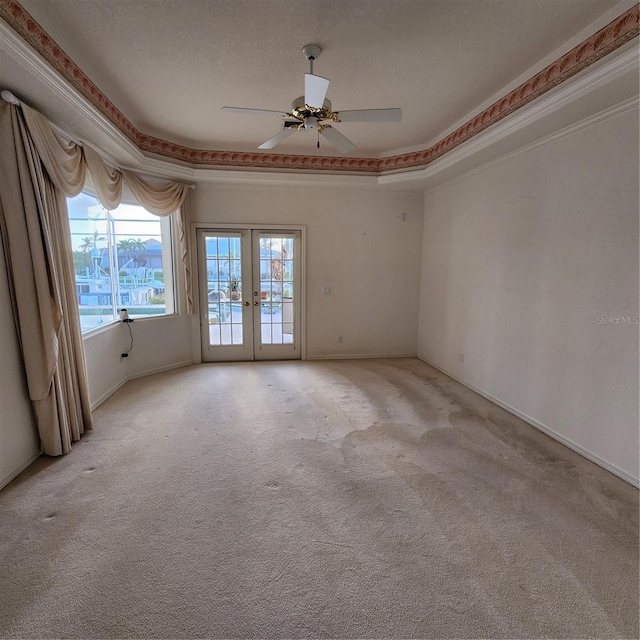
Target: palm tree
{"x":129,"y":247}
{"x":124,"y":245}
{"x":88,"y":243}
{"x":135,"y":247}
{"x":91,"y":242}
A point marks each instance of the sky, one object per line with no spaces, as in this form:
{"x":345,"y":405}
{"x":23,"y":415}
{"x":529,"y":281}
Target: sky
{"x":88,"y":217}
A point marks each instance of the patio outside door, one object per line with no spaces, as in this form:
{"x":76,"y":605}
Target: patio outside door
{"x":249,"y":294}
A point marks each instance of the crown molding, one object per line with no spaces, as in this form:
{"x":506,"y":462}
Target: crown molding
{"x":25,"y":55}
{"x":611,"y":37}
{"x":631,"y":104}
{"x":623,"y":65}
{"x":50,"y":63}
{"x":162,"y":168}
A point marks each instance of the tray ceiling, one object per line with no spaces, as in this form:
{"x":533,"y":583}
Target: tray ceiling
{"x":169,"y":66}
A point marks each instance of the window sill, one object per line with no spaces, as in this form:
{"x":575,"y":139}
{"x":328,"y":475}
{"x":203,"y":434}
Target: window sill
{"x":95,"y":331}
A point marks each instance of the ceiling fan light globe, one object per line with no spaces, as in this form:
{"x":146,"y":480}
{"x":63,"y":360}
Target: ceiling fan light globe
{"x":311,"y":124}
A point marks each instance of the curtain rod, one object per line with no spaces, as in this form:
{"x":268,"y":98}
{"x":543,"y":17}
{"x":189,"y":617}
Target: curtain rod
{"x":9,"y":97}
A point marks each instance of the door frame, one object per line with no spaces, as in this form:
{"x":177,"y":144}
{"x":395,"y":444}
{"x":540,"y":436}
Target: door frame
{"x":228,"y":226}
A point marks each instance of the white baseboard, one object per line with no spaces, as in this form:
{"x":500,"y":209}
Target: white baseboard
{"x":107,"y":394}
{"x":150,"y":372}
{"x":362,"y":356}
{"x":621,"y":473}
{"x":17,"y":470}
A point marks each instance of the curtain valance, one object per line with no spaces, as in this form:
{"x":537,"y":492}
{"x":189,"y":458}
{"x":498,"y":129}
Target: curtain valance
{"x":68,"y":163}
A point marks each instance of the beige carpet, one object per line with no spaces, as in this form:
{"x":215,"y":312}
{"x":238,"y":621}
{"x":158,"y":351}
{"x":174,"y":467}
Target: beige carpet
{"x":351,"y":499}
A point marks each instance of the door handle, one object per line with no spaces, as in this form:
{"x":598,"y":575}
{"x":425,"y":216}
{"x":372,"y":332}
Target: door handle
{"x":246,"y":303}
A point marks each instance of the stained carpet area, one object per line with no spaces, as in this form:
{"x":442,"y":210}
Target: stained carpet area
{"x":346,"y":499}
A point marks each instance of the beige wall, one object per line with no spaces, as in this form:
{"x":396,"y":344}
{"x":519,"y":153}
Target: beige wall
{"x":158,"y":344}
{"x":357,"y":244}
{"x":522,"y":262}
{"x":19,"y":444}
{"x":106,"y":371}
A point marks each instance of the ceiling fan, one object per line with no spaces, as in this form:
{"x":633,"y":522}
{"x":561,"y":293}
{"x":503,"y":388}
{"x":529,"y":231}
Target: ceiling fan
{"x":313,"y":112}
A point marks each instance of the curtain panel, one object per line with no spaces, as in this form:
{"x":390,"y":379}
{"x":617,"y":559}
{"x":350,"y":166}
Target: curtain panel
{"x":39,"y":169}
{"x":35,"y":235}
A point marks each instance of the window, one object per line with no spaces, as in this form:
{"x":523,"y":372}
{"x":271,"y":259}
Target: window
{"x":122,"y":260}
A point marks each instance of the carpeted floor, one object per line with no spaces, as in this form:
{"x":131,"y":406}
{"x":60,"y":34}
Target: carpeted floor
{"x":351,"y":499}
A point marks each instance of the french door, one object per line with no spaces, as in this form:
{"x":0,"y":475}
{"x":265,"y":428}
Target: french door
{"x":250,"y":292}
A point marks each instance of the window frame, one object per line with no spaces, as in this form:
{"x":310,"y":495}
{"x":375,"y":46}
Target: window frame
{"x":169,"y":265}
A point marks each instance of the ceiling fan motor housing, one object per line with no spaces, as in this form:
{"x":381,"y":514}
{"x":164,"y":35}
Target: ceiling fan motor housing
{"x":302,"y":111}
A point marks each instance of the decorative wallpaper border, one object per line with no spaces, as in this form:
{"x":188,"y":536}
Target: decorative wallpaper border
{"x":594,"y":48}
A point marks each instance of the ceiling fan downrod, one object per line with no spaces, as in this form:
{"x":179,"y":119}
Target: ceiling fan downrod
{"x":311,"y":53}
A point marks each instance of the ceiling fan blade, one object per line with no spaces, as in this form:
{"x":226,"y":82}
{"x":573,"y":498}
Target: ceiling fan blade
{"x":260,"y":112}
{"x":315,"y":90}
{"x":342,"y":144}
{"x":370,"y":115}
{"x":277,"y":139}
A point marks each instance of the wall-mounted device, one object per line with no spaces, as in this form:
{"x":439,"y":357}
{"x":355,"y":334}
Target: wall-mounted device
{"x":124,"y":317}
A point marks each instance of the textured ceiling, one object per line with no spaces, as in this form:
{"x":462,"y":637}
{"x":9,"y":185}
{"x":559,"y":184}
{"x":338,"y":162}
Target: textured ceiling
{"x":169,"y":65}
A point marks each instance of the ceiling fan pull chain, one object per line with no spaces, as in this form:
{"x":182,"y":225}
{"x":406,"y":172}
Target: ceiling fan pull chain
{"x":318,"y":137}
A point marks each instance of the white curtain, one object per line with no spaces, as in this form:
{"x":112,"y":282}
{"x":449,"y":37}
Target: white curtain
{"x":39,"y":169}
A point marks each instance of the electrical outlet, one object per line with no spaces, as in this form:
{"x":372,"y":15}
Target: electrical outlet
{"x":339,"y":339}
{"x":403,"y":217}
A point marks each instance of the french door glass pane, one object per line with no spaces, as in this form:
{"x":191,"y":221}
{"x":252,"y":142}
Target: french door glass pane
{"x":224,"y":290}
{"x":276,"y":289}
